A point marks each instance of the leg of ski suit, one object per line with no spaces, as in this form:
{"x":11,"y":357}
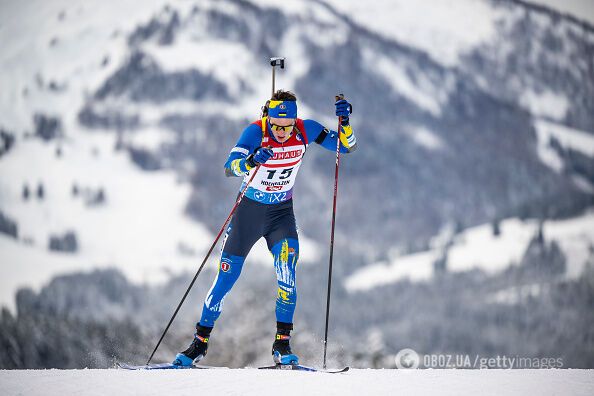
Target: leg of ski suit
{"x":252,"y":221}
{"x":286,"y":254}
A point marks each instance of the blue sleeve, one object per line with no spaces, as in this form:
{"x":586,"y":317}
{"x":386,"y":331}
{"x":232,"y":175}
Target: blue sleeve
{"x":316,"y":132}
{"x":250,"y":139}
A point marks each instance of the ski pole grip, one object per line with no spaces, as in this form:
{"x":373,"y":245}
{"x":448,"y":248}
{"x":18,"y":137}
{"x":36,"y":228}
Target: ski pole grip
{"x":277,"y":61}
{"x":341,"y":97}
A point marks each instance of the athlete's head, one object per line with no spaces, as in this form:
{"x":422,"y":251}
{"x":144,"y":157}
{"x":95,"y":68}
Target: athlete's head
{"x":282,"y":114}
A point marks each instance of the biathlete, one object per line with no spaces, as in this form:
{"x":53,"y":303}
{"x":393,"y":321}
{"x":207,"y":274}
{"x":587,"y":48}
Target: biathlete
{"x":278,"y":143}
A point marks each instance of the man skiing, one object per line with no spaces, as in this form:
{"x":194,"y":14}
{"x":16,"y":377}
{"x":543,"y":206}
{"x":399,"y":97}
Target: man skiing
{"x":274,"y":148}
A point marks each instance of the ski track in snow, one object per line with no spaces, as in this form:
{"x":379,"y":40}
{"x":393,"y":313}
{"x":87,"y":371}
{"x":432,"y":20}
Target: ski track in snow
{"x":264,"y":382}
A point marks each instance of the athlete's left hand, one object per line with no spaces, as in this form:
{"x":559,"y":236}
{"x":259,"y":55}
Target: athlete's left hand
{"x":343,"y":109}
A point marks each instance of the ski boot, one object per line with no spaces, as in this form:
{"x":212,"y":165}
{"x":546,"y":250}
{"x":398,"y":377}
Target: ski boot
{"x":281,"y":350}
{"x":197,"y":349}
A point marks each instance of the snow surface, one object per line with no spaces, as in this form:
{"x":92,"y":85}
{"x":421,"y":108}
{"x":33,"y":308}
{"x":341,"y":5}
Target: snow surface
{"x":545,"y":104}
{"x":211,"y":57}
{"x":267,"y":382}
{"x":568,"y":138}
{"x":477,"y":247}
{"x":516,"y":294}
{"x":415,"y":267}
{"x":426,"y":138}
{"x":428,"y":97}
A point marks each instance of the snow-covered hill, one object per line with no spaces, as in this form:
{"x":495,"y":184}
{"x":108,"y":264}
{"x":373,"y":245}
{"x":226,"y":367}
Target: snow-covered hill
{"x":136,"y":208}
{"x":263,"y":382}
{"x":482,"y":247}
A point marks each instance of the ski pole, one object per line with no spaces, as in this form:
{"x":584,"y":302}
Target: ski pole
{"x":338,"y":97}
{"x":203,"y":263}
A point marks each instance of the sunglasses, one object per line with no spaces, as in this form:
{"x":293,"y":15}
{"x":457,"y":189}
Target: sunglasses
{"x":278,"y":128}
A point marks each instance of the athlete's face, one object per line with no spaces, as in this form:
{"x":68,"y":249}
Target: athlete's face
{"x":282,"y":128}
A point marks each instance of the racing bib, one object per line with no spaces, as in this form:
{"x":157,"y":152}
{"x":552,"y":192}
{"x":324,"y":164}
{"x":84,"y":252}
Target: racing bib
{"x":275,"y":179}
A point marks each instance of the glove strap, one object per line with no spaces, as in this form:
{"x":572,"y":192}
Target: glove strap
{"x":249,"y":161}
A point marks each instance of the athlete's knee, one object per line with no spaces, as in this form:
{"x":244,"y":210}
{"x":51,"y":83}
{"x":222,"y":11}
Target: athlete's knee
{"x":292,"y":243}
{"x":286,"y":252}
{"x":231,"y":265}
{"x":228,"y":272}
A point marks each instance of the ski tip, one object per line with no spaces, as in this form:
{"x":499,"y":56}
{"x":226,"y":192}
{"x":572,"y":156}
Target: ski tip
{"x":298,"y":367}
{"x":163,"y":366}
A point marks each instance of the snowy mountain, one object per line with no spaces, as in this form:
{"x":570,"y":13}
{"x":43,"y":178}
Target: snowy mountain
{"x":474,"y":168}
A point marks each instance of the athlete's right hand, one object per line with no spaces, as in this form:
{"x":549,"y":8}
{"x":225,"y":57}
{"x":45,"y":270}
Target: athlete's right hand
{"x":260,"y":156}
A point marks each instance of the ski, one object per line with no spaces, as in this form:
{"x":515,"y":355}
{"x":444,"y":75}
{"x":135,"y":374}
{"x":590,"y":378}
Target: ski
{"x":170,"y":366}
{"x":299,"y":367}
{"x":163,"y":366}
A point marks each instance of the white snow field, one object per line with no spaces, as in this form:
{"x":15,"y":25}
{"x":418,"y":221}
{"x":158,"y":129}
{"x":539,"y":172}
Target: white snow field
{"x":265,"y":382}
